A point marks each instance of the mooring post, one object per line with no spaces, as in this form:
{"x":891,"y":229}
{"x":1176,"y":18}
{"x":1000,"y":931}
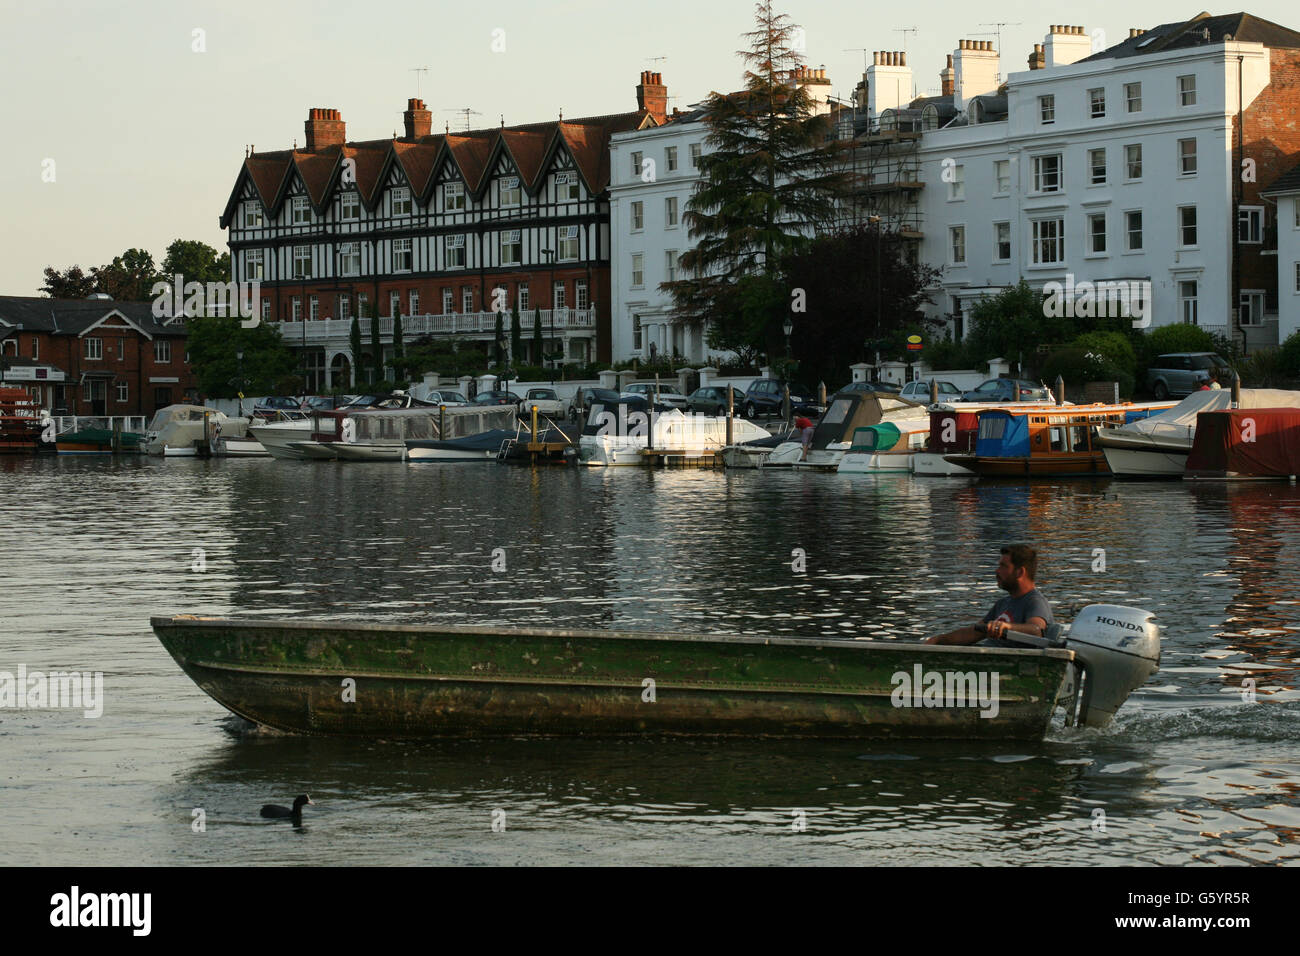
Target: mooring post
{"x":785,"y":405}
{"x":442,"y":422}
{"x":1060,"y":390}
{"x":534,"y":424}
{"x":1236,"y":390}
{"x":731,"y":414}
{"x":934,"y":391}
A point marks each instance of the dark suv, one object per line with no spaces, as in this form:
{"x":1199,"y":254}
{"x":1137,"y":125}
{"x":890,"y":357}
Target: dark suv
{"x":765,"y":395}
{"x":1181,"y":373}
{"x":1008,"y":390}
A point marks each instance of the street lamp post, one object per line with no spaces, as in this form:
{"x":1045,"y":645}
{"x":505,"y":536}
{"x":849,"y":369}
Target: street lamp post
{"x":550,"y":265}
{"x":239,"y":358}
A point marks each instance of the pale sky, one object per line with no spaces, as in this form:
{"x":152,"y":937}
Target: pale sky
{"x":147,"y":136}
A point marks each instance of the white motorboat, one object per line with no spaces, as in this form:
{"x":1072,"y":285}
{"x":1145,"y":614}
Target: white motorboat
{"x":617,"y":433}
{"x":1157,"y":447}
{"x":368,"y":451}
{"x":279,"y":438}
{"x":483,"y":447}
{"x":224,"y":446}
{"x":177,"y":430}
{"x":886,"y":447}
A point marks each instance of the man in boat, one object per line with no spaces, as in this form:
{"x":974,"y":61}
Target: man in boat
{"x":1024,"y":609}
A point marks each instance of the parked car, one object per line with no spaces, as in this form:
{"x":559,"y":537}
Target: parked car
{"x":1008,"y":390}
{"x":445,"y":397}
{"x":496,"y":398}
{"x":871,"y":387}
{"x":274,"y":405}
{"x":1181,"y":373}
{"x":765,"y":395}
{"x":919,"y":391}
{"x":580,"y":405}
{"x":713,"y":400}
{"x":548,"y":402}
{"x":323,"y":402}
{"x":668,"y":394}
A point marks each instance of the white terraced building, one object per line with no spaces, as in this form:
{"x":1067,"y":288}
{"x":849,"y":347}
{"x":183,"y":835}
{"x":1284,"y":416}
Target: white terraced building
{"x":653,"y":173}
{"x":1119,"y":165}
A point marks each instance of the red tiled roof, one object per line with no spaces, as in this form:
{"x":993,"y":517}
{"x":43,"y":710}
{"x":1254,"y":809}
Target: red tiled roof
{"x":530,"y":146}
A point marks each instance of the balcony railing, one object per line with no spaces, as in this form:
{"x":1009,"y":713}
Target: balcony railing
{"x":454,"y":323}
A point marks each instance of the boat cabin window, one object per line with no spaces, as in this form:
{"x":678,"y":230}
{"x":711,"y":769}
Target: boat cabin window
{"x":838,"y":411}
{"x":992,"y":427}
{"x":1074,"y":438}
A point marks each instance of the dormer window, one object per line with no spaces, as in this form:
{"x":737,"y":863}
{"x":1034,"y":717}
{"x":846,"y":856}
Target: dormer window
{"x":566,"y":187}
{"x":401,"y":201}
{"x":301,"y":211}
{"x":511,"y":194}
{"x":252,"y":214}
{"x":453,"y":197}
{"x":350,"y":205}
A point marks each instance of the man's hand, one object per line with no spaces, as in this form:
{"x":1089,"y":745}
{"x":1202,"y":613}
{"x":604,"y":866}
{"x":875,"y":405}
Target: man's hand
{"x":996,"y":629}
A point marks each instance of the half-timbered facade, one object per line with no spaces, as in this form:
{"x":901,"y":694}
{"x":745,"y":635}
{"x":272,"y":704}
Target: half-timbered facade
{"x":446,"y":229}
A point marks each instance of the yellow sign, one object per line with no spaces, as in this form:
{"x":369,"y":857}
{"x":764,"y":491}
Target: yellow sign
{"x":914,"y":339}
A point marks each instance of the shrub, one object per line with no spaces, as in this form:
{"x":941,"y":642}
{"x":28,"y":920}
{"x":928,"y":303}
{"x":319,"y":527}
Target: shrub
{"x":1078,"y":366}
{"x":1114,"y":346}
{"x":947,"y":354}
{"x":1266,"y":368}
{"x":1289,"y":355}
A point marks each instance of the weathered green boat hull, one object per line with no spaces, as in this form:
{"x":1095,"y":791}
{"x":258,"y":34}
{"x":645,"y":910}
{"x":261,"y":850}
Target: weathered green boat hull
{"x":422,"y":681}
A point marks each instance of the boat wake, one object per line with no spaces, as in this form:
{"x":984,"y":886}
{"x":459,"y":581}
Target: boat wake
{"x":1258,"y":722}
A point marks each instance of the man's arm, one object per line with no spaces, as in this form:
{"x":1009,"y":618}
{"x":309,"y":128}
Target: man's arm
{"x":1036,"y":626}
{"x":963,"y":635}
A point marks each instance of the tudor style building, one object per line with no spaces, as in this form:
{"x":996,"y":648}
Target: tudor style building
{"x":93,"y":356}
{"x":431,"y":226}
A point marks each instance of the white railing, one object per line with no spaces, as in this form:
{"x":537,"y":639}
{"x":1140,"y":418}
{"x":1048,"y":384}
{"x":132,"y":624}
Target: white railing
{"x":72,"y":423}
{"x":454,"y":323}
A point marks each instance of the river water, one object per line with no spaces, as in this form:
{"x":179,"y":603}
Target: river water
{"x":1192,"y":770}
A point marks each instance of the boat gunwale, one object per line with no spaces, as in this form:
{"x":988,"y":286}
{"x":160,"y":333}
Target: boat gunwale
{"x":481,"y":630}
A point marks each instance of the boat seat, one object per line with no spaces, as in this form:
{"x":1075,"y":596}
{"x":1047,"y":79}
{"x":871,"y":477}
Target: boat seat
{"x":1052,"y":637}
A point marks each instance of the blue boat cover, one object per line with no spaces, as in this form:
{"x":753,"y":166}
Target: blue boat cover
{"x":1002,"y":435}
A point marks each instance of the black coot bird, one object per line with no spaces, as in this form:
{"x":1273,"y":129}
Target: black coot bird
{"x":275,"y":811}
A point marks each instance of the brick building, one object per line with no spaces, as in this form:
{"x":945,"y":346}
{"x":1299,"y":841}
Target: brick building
{"x":431,"y":226}
{"x":93,"y":356}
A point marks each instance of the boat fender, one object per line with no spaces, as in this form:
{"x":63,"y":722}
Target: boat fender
{"x":1118,"y":648}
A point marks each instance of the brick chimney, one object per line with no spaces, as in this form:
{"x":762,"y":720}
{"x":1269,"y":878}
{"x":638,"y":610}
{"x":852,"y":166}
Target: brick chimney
{"x":1037,"y":59}
{"x":652,"y":95}
{"x":325,"y":128}
{"x":419,"y":121}
{"x":947,"y":79}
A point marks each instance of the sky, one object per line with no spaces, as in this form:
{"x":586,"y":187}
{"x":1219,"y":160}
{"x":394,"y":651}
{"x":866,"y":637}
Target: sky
{"x":118,"y":132}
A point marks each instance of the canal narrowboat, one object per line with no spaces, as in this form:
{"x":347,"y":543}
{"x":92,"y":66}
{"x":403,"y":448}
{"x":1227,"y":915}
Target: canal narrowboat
{"x":1051,"y":442}
{"x":954,"y":427}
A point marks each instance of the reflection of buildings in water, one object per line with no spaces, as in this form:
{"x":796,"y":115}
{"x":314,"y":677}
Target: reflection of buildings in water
{"x":1265,"y":518}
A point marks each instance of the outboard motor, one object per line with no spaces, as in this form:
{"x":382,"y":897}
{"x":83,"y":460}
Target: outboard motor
{"x":1118,"y":648}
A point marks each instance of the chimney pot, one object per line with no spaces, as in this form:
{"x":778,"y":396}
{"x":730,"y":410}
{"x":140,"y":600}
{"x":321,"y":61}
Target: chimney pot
{"x":324,"y":127}
{"x":652,"y":95}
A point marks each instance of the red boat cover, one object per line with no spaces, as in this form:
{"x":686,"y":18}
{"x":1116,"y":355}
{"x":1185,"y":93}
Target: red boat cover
{"x":1246,"y":443}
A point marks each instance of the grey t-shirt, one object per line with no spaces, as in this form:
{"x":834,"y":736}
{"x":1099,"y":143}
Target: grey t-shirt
{"x":1017,"y":610}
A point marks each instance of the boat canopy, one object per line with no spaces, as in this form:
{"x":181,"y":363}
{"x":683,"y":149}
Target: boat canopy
{"x":183,"y":413}
{"x":1002,"y":434}
{"x":1246,"y":443}
{"x":1180,"y":421}
{"x":421,"y":423}
{"x":849,"y":411}
{"x":874,"y":438}
{"x":490,"y":440}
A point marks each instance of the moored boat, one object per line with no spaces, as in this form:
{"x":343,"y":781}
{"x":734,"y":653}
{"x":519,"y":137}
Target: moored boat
{"x":431,"y":681}
{"x":1246,"y":443}
{"x":618,"y":433}
{"x":98,"y":441}
{"x":1047,"y":442}
{"x":1157,"y":447}
{"x":887,"y":447}
{"x":953,"y":430}
{"x":485,"y":446}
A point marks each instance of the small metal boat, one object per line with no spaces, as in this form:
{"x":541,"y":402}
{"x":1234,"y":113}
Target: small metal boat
{"x":393,"y":681}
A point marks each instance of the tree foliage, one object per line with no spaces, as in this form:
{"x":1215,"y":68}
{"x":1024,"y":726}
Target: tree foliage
{"x":768,"y":183}
{"x":213,"y":344}
{"x":131,"y":276}
{"x":834,"y":279}
{"x":196,"y":261}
